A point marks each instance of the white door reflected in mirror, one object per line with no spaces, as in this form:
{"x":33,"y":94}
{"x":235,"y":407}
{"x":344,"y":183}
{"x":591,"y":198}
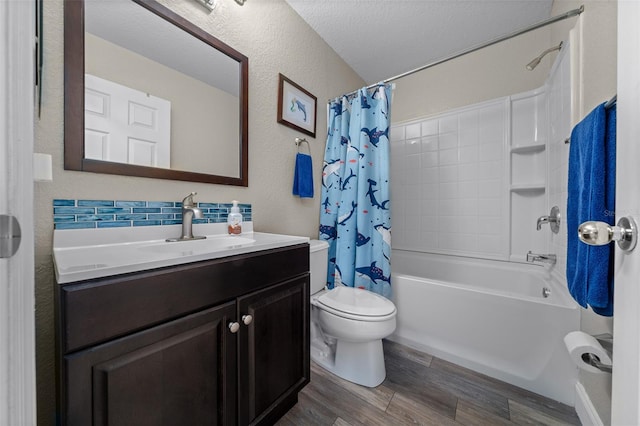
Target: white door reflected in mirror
{"x":125,"y":125}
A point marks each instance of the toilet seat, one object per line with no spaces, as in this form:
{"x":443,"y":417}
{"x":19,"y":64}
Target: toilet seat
{"x":356,"y":304}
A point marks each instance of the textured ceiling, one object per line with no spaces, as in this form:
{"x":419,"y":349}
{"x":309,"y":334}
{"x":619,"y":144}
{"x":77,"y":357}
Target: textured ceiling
{"x":383,"y":38}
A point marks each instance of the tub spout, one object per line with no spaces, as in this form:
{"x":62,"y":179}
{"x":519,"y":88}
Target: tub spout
{"x":542,"y":258}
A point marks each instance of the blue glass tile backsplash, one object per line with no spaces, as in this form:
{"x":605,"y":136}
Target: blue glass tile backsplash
{"x":82,"y":214}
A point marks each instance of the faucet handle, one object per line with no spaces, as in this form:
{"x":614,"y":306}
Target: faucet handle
{"x":553,"y":220}
{"x":188,"y":200}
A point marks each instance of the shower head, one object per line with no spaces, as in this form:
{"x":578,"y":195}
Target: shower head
{"x":531,"y":65}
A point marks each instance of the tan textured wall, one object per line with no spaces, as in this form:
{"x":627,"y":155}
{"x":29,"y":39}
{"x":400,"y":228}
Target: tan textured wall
{"x":598,"y":67}
{"x":488,"y":73}
{"x":276,"y":40}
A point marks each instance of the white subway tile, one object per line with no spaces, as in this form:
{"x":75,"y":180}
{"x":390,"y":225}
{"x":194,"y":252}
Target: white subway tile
{"x":468,"y":154}
{"x":468,"y":207}
{"x":448,"y":190}
{"x":429,"y":223}
{"x":429,"y":174}
{"x":430,"y":159}
{"x":414,"y":161}
{"x":430,"y":127}
{"x":412,"y":131}
{"x":448,"y":156}
{"x":430,"y":191}
{"x":412,"y":146}
{"x":448,"y":124}
{"x":448,"y":207}
{"x":397,"y":133}
{"x":430,"y":143}
{"x":448,"y":173}
{"x":468,"y":189}
{"x":489,"y":189}
{"x":491,"y":151}
{"x":468,"y":172}
{"x":448,"y":140}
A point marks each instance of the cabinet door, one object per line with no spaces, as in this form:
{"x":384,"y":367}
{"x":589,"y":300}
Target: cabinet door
{"x":273,"y":350}
{"x":178,"y":373}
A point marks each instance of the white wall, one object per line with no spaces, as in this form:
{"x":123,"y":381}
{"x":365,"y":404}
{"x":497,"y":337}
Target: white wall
{"x":275,"y":39}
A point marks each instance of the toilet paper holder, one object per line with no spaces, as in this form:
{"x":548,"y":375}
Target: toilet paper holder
{"x":606,"y":340}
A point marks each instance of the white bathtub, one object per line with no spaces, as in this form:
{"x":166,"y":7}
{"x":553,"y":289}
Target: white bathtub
{"x":489,"y":316}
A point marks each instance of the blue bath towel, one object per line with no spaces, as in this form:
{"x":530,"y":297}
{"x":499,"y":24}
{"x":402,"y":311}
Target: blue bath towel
{"x":591,"y":188}
{"x":303,"y":176}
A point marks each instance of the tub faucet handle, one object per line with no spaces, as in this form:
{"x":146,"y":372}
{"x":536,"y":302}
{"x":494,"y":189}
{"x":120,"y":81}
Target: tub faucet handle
{"x":553,"y":220}
{"x":541,"y":220}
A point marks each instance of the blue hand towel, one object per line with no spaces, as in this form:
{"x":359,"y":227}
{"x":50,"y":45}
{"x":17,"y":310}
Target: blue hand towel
{"x":592,"y":171}
{"x":303,"y":176}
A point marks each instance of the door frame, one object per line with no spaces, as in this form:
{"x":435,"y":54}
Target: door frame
{"x":625,"y":409}
{"x":17,"y":299}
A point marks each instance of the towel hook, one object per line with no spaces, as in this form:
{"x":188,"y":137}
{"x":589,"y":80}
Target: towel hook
{"x":299,"y":141}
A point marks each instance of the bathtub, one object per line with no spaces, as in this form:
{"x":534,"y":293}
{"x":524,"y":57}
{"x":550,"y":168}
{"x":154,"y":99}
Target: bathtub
{"x":489,"y":316}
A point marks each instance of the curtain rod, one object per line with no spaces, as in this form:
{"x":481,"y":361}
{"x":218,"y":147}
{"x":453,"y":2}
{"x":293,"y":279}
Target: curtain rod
{"x":554,"y":19}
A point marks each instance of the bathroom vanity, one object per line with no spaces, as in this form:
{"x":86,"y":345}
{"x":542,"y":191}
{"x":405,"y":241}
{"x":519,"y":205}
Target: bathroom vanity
{"x":221,"y":341}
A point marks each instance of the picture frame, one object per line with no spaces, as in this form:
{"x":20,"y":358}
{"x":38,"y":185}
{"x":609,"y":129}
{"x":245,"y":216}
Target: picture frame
{"x":297,"y":108}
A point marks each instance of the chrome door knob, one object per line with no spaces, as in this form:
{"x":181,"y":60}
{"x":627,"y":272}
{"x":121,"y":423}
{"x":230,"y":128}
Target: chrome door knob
{"x":247,"y":319}
{"x":234,"y":327}
{"x":601,"y":233}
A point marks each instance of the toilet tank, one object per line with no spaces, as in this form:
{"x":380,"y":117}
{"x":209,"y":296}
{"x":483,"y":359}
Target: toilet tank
{"x":318,"y":260}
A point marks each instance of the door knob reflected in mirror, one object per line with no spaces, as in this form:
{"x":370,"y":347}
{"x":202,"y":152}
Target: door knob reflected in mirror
{"x":601,"y":233}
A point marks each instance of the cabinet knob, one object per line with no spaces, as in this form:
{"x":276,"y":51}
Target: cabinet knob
{"x":234,"y":327}
{"x":247,"y":319}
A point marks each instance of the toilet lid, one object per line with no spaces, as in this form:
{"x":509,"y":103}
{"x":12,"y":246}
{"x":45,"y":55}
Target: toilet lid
{"x":357,"y":301}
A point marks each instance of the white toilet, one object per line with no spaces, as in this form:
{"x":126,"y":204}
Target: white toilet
{"x":347,"y":325}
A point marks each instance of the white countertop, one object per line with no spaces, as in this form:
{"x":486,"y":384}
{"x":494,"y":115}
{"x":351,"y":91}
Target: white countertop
{"x":94,"y":253}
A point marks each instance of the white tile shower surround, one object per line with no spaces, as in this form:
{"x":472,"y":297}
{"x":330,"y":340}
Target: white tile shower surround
{"x":449,"y":181}
{"x":559,"y":89}
{"x":472,"y":181}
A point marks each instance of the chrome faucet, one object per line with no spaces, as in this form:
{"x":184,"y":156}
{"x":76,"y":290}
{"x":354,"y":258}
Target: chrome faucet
{"x":189,"y":211}
{"x":553,"y":220}
{"x":542,"y":258}
{"x":541,"y":220}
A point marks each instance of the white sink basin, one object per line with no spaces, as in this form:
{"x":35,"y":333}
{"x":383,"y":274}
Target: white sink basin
{"x":210,"y":244}
{"x":85,"y":254}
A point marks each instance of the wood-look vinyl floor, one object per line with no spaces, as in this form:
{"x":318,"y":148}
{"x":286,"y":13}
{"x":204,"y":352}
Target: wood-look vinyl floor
{"x":424,"y":390}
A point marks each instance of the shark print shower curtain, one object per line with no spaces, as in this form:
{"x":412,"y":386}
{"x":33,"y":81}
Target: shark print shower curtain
{"x":355,"y":217}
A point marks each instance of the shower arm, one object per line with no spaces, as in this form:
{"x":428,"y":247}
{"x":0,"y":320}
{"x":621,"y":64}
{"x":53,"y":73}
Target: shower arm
{"x":531,"y":65}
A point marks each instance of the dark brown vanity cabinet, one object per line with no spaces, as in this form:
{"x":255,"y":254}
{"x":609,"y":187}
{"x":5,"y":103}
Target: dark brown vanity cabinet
{"x":220,"y":342}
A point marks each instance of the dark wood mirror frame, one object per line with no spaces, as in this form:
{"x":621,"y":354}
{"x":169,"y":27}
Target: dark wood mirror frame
{"x":74,"y":101}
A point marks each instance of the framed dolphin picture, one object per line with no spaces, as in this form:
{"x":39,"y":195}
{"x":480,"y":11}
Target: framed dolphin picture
{"x":296,"y":107}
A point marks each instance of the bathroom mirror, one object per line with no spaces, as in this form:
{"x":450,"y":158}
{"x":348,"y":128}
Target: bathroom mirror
{"x":147,"y":93}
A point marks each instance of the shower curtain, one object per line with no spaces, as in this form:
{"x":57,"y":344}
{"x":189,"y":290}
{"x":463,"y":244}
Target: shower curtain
{"x":355,"y":217}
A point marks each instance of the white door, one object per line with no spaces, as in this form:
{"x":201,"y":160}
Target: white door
{"x":17,"y":330}
{"x":125,"y":125}
{"x":626,"y":324}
